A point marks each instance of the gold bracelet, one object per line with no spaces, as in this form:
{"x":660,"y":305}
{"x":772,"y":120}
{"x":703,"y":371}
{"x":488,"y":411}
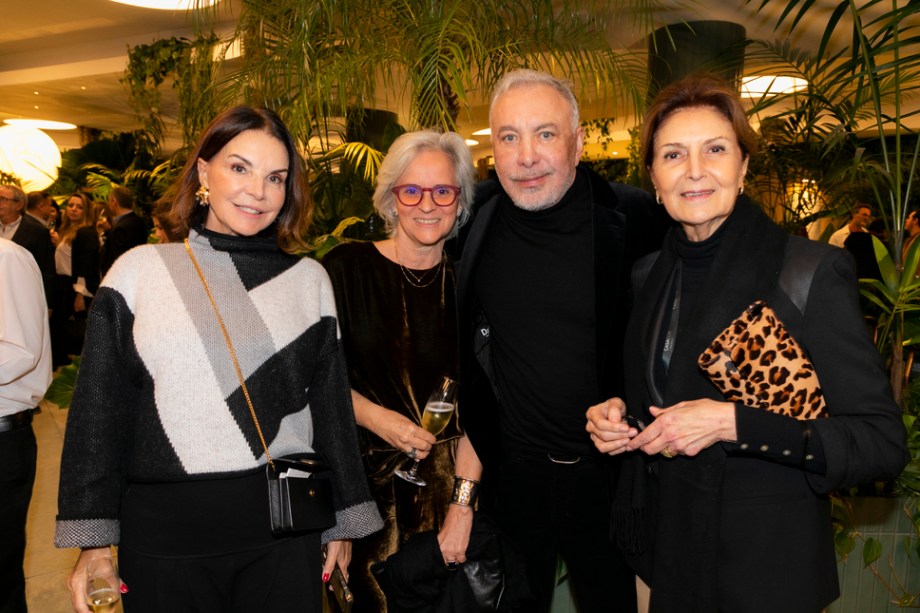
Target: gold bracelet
{"x":465,"y":492}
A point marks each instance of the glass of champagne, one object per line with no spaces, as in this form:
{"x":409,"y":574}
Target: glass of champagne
{"x":102,"y":584}
{"x":438,"y":411}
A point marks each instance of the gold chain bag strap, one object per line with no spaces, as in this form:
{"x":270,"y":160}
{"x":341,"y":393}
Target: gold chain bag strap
{"x":299,"y":486}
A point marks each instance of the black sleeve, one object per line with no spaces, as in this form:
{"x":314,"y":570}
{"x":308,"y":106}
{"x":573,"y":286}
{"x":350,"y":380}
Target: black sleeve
{"x":85,"y":257}
{"x":863,"y":439}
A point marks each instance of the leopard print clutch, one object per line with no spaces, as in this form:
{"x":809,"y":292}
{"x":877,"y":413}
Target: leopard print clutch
{"x":757,"y":362}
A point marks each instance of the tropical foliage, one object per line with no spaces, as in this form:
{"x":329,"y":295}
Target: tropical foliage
{"x":847,"y":134}
{"x":321,"y":58}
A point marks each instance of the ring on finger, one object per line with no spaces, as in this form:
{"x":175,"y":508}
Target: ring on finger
{"x":413,"y":452}
{"x":666,"y":452}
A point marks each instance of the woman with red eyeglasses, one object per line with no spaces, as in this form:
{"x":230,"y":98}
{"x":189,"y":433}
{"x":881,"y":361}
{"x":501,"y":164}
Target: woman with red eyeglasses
{"x":395,"y":300}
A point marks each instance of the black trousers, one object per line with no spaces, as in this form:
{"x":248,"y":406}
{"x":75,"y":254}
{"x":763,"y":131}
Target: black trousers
{"x":18,"y":453}
{"x":283,"y":578}
{"x":550,"y":510}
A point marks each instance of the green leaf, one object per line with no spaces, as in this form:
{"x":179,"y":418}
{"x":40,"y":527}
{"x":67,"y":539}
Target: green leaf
{"x":872,"y":550}
{"x":60,"y":392}
{"x":844,"y":543}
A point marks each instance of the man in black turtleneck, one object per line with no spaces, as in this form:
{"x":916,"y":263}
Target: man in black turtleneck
{"x":542,"y":281}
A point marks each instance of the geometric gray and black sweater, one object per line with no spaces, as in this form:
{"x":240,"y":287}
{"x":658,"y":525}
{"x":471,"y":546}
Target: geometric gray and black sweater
{"x":157,"y":399}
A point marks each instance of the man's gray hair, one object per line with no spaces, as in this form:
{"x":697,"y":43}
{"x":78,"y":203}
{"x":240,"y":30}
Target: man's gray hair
{"x":18,"y":195}
{"x":524,"y":77}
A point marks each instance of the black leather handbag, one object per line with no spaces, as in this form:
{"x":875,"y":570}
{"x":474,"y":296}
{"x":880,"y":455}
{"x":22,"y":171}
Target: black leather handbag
{"x":300,"y":494}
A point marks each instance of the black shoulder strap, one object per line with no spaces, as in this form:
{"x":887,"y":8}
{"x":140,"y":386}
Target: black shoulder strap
{"x":799,"y":266}
{"x":800,"y":263}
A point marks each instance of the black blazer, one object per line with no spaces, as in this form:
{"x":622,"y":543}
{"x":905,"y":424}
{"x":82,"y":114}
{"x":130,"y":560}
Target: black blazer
{"x":36,"y":239}
{"x":128,"y":232}
{"x":85,"y":257}
{"x":746,"y":526}
{"x":624,"y":229}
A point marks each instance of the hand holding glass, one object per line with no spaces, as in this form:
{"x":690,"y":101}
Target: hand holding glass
{"x":102,"y":584}
{"x":436,"y":416}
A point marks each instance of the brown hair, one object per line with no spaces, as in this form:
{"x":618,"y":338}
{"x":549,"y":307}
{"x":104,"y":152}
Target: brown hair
{"x":701,"y":90}
{"x":179,"y":212}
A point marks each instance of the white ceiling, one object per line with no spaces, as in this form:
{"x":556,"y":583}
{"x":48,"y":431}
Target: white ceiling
{"x":62,"y":60}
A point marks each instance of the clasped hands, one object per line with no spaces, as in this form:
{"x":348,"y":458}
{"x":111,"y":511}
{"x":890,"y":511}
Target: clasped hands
{"x":685,"y":428}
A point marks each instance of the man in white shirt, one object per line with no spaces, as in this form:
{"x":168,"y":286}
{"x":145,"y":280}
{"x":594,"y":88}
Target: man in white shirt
{"x":25,"y":373}
{"x":861,"y":216}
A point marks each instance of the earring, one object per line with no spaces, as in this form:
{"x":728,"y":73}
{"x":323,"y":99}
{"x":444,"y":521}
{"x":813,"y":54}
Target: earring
{"x":741,"y":190}
{"x":203,"y":196}
{"x":657,"y":197}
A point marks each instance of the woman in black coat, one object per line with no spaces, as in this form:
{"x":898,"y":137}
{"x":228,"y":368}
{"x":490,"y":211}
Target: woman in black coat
{"x":76,"y":261}
{"x":722,"y":504}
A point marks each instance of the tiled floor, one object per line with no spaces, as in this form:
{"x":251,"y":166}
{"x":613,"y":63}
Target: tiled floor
{"x":46,"y":567}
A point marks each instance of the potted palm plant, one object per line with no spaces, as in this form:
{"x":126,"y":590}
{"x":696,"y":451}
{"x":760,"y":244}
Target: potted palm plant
{"x":849,"y":128}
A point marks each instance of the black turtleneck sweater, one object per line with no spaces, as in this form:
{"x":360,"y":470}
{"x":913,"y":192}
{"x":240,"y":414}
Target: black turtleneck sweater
{"x":536,"y":284}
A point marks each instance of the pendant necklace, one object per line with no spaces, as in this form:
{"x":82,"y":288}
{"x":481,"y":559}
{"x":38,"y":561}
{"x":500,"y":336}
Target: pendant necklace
{"x":418,"y":280}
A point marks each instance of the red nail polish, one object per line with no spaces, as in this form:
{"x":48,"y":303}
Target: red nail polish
{"x":325,"y":577}
{"x":123,"y":588}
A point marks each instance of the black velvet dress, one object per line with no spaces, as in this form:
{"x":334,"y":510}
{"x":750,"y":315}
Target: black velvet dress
{"x":400,"y":336}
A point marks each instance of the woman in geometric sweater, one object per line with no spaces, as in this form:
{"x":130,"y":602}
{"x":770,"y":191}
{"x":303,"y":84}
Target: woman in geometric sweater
{"x":162,"y":456}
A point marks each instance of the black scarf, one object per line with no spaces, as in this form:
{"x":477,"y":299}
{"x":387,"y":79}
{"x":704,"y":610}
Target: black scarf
{"x":667,"y":513}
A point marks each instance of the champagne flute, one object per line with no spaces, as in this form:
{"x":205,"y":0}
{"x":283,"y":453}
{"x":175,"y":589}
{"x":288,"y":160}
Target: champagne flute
{"x":435,"y":417}
{"x":102,"y":584}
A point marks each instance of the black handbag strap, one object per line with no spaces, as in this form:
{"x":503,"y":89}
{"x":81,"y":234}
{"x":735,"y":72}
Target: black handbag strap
{"x":799,"y":266}
{"x":800,"y":262}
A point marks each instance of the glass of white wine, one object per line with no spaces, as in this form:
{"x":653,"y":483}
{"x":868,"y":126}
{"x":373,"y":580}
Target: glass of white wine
{"x":103,"y":586}
{"x":438,"y":411}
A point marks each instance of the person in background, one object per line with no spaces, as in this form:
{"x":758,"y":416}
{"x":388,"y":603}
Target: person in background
{"x":396,"y":304}
{"x":542,"y":308}
{"x":25,"y":373}
{"x":161,"y":231}
{"x":723,"y":506}
{"x":40,"y":206}
{"x":76,"y":260}
{"x":103,"y":223}
{"x":176,"y":476}
{"x":128,"y":229}
{"x":28,"y":232}
{"x":859,"y":220}
{"x":862,"y":247}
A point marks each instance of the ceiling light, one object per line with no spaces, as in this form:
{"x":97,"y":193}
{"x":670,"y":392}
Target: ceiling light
{"x":169,"y":5}
{"x":471,"y":143}
{"x":758,"y":87}
{"x":41,"y":124}
{"x":483,"y":132}
{"x":29,"y":154}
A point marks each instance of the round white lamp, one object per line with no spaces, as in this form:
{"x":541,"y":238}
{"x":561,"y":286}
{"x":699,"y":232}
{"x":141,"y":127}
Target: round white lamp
{"x":31,"y":155}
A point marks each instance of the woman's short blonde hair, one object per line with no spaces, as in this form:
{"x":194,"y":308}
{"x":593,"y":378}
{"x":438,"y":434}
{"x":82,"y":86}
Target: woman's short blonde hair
{"x":403,"y":152}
